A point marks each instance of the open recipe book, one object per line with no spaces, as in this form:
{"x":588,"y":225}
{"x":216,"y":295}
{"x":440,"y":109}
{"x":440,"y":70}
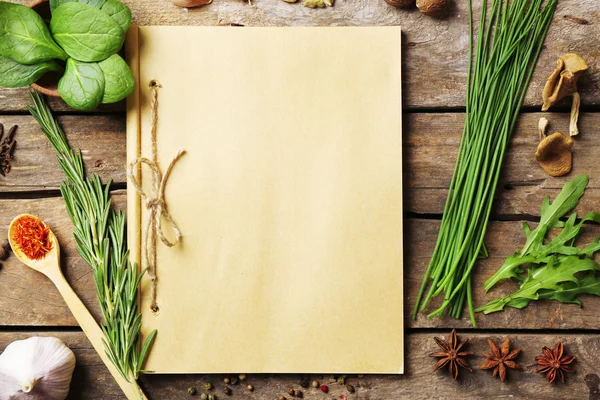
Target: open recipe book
{"x":289,"y":197}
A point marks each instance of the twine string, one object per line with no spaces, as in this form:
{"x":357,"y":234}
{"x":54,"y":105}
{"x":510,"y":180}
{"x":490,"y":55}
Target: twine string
{"x":155,"y":199}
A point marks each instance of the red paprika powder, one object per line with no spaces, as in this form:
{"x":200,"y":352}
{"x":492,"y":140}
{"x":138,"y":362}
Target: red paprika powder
{"x":33,"y":237}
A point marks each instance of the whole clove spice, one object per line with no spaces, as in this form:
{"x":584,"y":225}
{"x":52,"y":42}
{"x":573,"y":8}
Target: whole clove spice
{"x":7,"y":148}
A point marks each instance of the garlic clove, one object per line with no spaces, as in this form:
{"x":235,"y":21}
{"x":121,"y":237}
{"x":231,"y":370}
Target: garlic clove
{"x":38,"y":367}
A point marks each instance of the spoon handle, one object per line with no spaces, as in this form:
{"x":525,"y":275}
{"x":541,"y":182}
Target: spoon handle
{"x":93,"y":332}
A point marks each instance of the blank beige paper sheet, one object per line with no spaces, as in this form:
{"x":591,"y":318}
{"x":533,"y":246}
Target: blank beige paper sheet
{"x":289,"y":197}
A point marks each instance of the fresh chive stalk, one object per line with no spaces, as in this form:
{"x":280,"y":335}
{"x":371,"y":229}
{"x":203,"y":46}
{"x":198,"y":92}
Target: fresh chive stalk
{"x":510,"y":38}
{"x":101,"y":240}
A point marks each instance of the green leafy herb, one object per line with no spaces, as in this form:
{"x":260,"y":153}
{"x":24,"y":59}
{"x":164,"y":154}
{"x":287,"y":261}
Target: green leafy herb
{"x":510,"y":38}
{"x":24,"y":36}
{"x":85,"y":32}
{"x":554,"y":268}
{"x":119,"y":12}
{"x":14,"y":74}
{"x":101,"y":240}
{"x":94,"y":3}
{"x":119,"y":82}
{"x":82,"y":85}
{"x":534,"y":248}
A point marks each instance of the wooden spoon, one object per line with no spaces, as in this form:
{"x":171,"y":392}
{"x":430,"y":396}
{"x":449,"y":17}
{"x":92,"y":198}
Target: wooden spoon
{"x":50,"y":266}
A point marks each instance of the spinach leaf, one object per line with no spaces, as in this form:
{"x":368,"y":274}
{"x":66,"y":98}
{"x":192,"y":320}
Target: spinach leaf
{"x":85,"y":32}
{"x":119,"y":12}
{"x":24,"y":36}
{"x":95,"y":3}
{"x":119,"y":82}
{"x":14,"y":74}
{"x":82,"y":85}
{"x":114,"y":8}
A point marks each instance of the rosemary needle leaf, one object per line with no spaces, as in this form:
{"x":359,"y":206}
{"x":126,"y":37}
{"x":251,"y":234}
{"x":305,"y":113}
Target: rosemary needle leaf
{"x":100,"y":235}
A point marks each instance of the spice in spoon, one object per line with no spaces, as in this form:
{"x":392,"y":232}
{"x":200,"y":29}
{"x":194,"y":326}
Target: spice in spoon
{"x":32,"y":237}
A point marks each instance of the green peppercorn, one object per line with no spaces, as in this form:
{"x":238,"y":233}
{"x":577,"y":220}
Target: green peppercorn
{"x":212,"y":397}
{"x":203,"y":396}
{"x":191,"y":391}
{"x":226,"y":380}
{"x":242,"y":377}
{"x":341,"y":380}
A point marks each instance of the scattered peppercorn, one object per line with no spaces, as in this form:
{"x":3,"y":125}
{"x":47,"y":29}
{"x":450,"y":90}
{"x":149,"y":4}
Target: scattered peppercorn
{"x":304,"y":381}
{"x":315,"y":384}
{"x":4,"y":250}
{"x":227,"y":391}
{"x":226,"y":380}
{"x":203,"y":396}
{"x":242,"y":377}
{"x":282,"y":398}
{"x":341,"y":380}
{"x":291,"y":392}
{"x":208,"y":386}
{"x":250,"y":388}
{"x":324,"y":388}
{"x":212,"y":397}
{"x":298,"y":393}
{"x":191,"y":391}
{"x":234,"y":380}
{"x":350,"y":388}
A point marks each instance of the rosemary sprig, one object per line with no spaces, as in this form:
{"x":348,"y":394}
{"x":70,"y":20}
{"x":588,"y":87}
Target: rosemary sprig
{"x":102,"y":242}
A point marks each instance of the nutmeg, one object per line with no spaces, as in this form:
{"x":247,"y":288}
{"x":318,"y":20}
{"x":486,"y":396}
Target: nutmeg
{"x":401,"y":3}
{"x":433,"y":7}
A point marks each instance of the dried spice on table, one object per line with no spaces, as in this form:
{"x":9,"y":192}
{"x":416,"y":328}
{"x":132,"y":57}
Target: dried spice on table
{"x":554,"y":363}
{"x":556,"y":270}
{"x":555,"y":155}
{"x":451,"y":354}
{"x":7,"y":148}
{"x":32,"y":237}
{"x":501,"y":359}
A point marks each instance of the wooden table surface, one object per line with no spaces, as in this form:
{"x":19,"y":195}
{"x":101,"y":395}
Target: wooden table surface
{"x":434,"y":73}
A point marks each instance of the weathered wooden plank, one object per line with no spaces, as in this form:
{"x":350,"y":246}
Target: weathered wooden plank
{"x":431,"y":142}
{"x":92,"y":381}
{"x":435,"y":50}
{"x":29,"y":299}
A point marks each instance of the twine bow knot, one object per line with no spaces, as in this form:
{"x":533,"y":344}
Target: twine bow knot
{"x":155,"y":200}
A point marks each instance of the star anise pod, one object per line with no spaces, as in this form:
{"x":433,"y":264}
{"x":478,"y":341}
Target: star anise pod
{"x":554,"y":363}
{"x":451,"y":355}
{"x":501,"y":359}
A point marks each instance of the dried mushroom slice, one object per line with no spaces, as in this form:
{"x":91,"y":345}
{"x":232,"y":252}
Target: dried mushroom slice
{"x":554,"y":154}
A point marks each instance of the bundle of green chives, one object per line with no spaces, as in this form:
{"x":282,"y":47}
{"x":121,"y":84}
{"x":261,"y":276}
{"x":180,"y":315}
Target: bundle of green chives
{"x":509,"y":42}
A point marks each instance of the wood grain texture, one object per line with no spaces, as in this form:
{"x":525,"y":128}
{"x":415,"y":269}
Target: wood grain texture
{"x":91,"y":380}
{"x":29,"y":299}
{"x":431,"y":142}
{"x":435,"y":50}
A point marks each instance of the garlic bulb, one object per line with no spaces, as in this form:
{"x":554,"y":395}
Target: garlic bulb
{"x":38,"y":368}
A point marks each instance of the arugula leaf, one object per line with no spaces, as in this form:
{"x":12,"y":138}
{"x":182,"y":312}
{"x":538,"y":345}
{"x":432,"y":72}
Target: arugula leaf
{"x":550,"y":215}
{"x":24,"y":36}
{"x":82,"y":85}
{"x":119,"y":82}
{"x":569,"y":291}
{"x":14,"y":74}
{"x":85,"y":32}
{"x":544,"y":282}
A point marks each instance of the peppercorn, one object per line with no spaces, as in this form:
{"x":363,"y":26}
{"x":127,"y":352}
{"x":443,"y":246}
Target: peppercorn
{"x":350,"y":388}
{"x":227,"y":391}
{"x":234,"y":380}
{"x":315,"y":384}
{"x":208,"y":386}
{"x":242,"y":377}
{"x":250,"y":388}
{"x":298,"y":393}
{"x":304,"y":381}
{"x":291,"y":392}
{"x":226,"y":380}
{"x":324,"y":388}
{"x":191,"y":391}
{"x":341,"y":380}
{"x":203,"y":396}
{"x":4,"y":250}
{"x":282,"y":398}
{"x":212,"y":397}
